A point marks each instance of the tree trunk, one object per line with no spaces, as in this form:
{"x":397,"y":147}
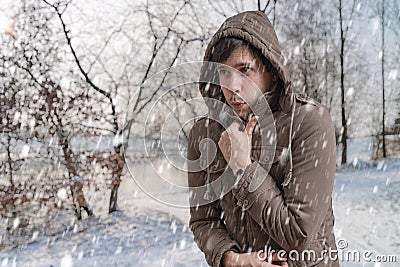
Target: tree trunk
{"x":9,"y":160}
{"x":306,"y":88}
{"x":117,"y":162}
{"x":383,"y":78}
{"x":344,"y":121}
{"x":274,"y":8}
{"x":76,"y":183}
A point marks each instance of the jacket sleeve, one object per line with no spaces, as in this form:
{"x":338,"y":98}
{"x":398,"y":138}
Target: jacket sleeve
{"x":206,"y":221}
{"x":292,"y":216}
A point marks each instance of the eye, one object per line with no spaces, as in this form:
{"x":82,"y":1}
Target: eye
{"x":245,"y":69}
{"x":223,"y":72}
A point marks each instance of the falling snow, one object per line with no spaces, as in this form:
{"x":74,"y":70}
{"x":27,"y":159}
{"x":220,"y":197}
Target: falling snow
{"x":145,"y":232}
{"x":39,"y":228}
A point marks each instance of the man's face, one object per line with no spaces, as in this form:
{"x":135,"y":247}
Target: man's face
{"x":240,"y":86}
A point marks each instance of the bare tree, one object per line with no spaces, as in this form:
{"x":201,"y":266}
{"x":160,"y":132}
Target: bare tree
{"x":264,"y":8}
{"x":9,"y":90}
{"x":162,"y":29}
{"x":343,"y":35}
{"x":34,"y":56}
{"x":309,"y":49}
{"x":319,"y":64}
{"x":394,"y":13}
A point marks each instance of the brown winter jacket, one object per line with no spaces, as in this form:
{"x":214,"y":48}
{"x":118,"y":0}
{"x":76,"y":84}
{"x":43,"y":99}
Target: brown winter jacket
{"x":292,"y":208}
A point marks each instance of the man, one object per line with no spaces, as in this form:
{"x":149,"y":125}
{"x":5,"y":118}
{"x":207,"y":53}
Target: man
{"x":287,"y":206}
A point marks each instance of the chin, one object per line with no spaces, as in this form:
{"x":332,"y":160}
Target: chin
{"x":243,"y":115}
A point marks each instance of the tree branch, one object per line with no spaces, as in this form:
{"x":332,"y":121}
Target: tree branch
{"x":78,"y":63}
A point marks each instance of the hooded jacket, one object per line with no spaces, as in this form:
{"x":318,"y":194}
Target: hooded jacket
{"x":291,"y":209}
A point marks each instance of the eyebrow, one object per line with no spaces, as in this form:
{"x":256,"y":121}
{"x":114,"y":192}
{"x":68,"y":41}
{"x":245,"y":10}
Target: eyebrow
{"x":240,"y":64}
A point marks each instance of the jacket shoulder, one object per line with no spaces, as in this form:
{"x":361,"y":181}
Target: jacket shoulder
{"x":310,"y":109}
{"x":303,"y":98}
{"x":313,"y":121}
{"x":311,"y":114}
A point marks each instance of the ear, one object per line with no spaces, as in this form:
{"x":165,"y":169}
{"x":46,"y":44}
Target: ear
{"x":275,"y":77}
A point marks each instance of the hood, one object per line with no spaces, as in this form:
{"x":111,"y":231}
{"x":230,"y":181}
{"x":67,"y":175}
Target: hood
{"x":255,"y":28}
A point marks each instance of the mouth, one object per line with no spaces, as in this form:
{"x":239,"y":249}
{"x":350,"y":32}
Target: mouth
{"x":237,"y":105}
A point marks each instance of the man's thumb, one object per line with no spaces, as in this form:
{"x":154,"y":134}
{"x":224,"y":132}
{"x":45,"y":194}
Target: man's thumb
{"x":251,"y":124}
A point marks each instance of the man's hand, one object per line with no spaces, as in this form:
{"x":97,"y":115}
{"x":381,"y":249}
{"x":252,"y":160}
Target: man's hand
{"x":232,"y":259}
{"x":235,"y":145}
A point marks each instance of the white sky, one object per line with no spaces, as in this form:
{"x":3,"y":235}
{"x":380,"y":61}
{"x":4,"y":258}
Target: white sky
{"x":5,"y":14}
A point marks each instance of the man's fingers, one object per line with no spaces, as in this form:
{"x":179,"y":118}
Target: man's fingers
{"x":224,"y":142}
{"x":272,"y":260}
{"x":235,"y":126}
{"x":224,"y":133}
{"x":251,"y":124}
{"x":224,"y":137}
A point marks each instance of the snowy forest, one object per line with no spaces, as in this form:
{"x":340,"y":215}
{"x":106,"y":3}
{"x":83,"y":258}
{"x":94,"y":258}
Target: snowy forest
{"x":85,"y":116}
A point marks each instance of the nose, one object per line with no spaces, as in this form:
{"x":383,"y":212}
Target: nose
{"x":234,"y":82}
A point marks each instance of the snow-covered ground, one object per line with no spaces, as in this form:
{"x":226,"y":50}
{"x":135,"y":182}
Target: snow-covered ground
{"x":148,"y":233}
{"x":143,"y":233}
{"x":367,"y":210}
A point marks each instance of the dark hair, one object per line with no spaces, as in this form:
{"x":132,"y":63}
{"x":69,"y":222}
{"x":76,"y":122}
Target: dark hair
{"x":225,"y":46}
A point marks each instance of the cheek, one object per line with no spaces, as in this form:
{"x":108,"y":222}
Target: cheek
{"x":261,"y":83}
{"x":227,"y":93}
{"x":252,"y":95}
{"x":266,"y":81}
